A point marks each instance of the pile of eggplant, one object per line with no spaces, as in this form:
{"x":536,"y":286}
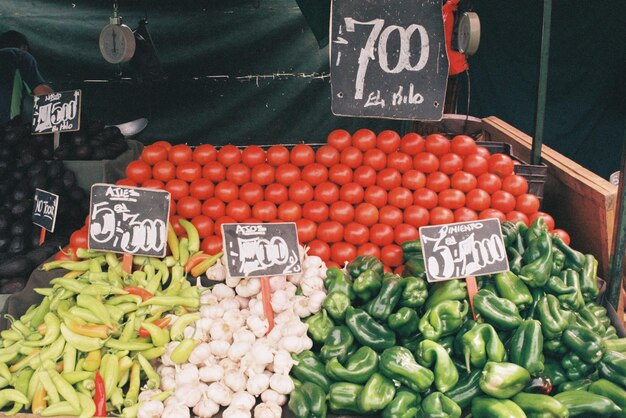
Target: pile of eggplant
{"x":94,"y":141}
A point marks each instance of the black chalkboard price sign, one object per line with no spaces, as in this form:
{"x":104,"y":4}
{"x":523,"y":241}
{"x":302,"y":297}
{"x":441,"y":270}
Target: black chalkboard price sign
{"x":56,"y":112}
{"x":128,"y":220}
{"x":388,"y":59}
{"x":254,"y":250}
{"x":463,"y":249}
{"x":45,"y":208}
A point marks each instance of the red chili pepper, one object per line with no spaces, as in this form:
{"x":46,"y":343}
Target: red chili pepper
{"x":139,"y":291}
{"x":99,"y":397}
{"x":161,"y":323}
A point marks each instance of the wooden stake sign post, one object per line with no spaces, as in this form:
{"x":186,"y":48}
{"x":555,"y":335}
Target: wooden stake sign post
{"x":45,"y":209}
{"x":262,"y":250}
{"x":56,"y":113}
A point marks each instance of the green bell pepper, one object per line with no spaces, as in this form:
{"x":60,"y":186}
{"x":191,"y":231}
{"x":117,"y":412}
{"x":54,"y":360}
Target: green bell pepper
{"x":487,"y":407}
{"x":404,"y":405}
{"x":438,"y":405}
{"x":388,"y":297}
{"x":362,"y":263}
{"x":319,"y":326}
{"x":308,"y":401}
{"x":342,"y":398}
{"x":553,"y":319}
{"x":558,"y":261}
{"x":612,"y":391}
{"x":584,"y":342}
{"x":531,"y":310}
{"x":572,"y":280}
{"x":536,"y":229}
{"x":448,"y":290}
{"x":589,"y":279}
{"x":368,"y":331}
{"x":412,"y":343}
{"x":526,"y":346}
{"x":575,"y":368}
{"x":574,"y":260}
{"x":554,"y":371}
{"x":617,"y":344}
{"x":398,"y":363}
{"x":430,"y":353}
{"x":511,"y":287}
{"x":503,"y":380}
{"x":509,"y":233}
{"x":586,"y":319}
{"x":515,"y":260}
{"x":405,"y":322}
{"x":358,"y":369}
{"x":482,"y":344}
{"x":466,"y":389}
{"x":337,"y":280}
{"x":458,"y":337}
{"x":500,"y":312}
{"x":309,"y":369}
{"x":537,"y":272}
{"x":611,"y":334}
{"x":367,"y":285}
{"x":336,"y":304}
{"x":613,"y":367}
{"x":537,"y":405}
{"x":377,"y":393}
{"x":337,"y":344}
{"x":414,"y":265}
{"x":415,"y":292}
{"x":586,"y":404}
{"x":580,"y":384}
{"x":443,"y":319}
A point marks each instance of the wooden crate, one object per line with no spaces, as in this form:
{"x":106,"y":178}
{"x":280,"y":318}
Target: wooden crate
{"x":581,"y":202}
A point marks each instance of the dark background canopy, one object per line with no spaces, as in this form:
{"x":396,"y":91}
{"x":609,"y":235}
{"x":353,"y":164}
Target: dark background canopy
{"x":253,"y":72}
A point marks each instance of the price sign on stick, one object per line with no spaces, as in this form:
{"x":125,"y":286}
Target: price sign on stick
{"x":388,"y":59}
{"x":128,"y":220}
{"x":56,"y":112}
{"x":45,"y":208}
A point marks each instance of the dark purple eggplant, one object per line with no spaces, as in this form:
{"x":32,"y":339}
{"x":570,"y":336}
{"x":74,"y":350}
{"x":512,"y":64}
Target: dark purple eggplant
{"x":17,"y":245}
{"x":21,"y":208}
{"x":15,"y":284}
{"x":56,"y":169}
{"x":69,"y":179}
{"x":20,"y":227}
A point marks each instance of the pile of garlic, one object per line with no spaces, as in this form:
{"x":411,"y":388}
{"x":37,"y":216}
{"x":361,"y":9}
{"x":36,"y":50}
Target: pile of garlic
{"x":236,"y":362}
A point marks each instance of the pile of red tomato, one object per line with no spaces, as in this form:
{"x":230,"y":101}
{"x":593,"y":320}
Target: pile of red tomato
{"x":358,"y":194}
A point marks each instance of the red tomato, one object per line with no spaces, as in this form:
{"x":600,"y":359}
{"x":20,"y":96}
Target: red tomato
{"x":276,"y":193}
{"x":463,"y":181}
{"x":252,"y":220}
{"x":253,"y":155}
{"x":79,"y":239}
{"x":369,"y":249}
{"x":204,"y":153}
{"x":483,"y":152}
{"x":152,"y":154}
{"x":400,"y":161}
{"x":315,"y":174}
{"x":450,"y":163}
{"x":477,"y":200}
{"x":265,"y":211}
{"x":188,"y":207}
{"x":342,"y":212}
{"x":515,"y":184}
{"x":287,"y":174}
{"x":289,"y":211}
{"x":214,"y":208}
{"x":277,"y":155}
{"x":366,"y":214}
{"x":218,"y":224}
{"x":327,"y":155}
{"x":465,"y":215}
{"x":340,"y":252}
{"x":229,"y":155}
{"x":180,"y":153}
{"x":351,"y":157}
{"x":172,"y":207}
{"x":352,"y":193}
{"x":500,"y":164}
{"x":153,"y":184}
{"x":364,"y":139}
{"x":413,"y":179}
{"x":315,"y":211}
{"x":177,"y":188}
{"x":388,"y":178}
{"x":326,"y":192}
{"x":489,"y":182}
{"x":263,"y":174}
{"x":412,"y":143}
{"x":365,"y":176}
{"x":204,"y":225}
{"x":425,"y":197}
{"x":440,"y":216}
{"x":416,"y":215}
{"x":381,"y":234}
{"x":212,"y":244}
{"x":138,"y":171}
{"x":503,"y":201}
{"x":437,"y":144}
{"x":226,"y":191}
{"x":388,"y":141}
{"x":546,"y":217}
{"x":517,"y":216}
{"x":300,"y":192}
{"x":463,"y":145}
{"x":405,"y":232}
{"x":400,"y":197}
{"x":330,"y":231}
{"x":451,"y":199}
{"x":426,"y":162}
{"x":178,"y":228}
{"x":251,"y":193}
{"x":375,"y":195}
{"x":320,"y":249}
{"x":340,"y":139}
{"x":340,"y":174}
{"x":164,"y":171}
{"x":390,"y":215}
{"x":189,"y":171}
{"x":356,"y":234}
{"x":302,"y":155}
{"x":437,"y":181}
{"x":527,"y":203}
{"x":563,"y":235}
{"x":492,"y":213}
{"x":201,"y":189}
{"x":307,"y":230}
{"x":375,"y":158}
{"x":214,"y":171}
{"x":475,"y":164}
{"x":238,"y":210}
{"x":391,"y":255}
